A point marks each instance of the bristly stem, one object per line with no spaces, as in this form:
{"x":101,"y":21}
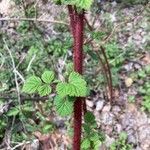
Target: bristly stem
{"x":78,"y":67}
{"x":77,"y":29}
{"x":72,"y":15}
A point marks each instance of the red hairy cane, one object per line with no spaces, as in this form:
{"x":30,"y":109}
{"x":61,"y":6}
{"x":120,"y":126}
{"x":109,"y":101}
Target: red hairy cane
{"x":78,"y":67}
{"x":77,"y":28}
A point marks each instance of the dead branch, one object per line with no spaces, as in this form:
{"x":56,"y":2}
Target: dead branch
{"x":34,"y":20}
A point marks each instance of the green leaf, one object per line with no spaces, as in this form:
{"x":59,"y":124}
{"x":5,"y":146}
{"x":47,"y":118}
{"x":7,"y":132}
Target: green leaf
{"x":64,"y":107}
{"x":44,"y":90}
{"x":13,"y":112}
{"x":94,"y":137}
{"x":78,"y":86}
{"x":84,"y":4}
{"x":75,"y":87}
{"x":89,"y":118}
{"x":47,"y":128}
{"x":69,"y":67}
{"x":85,"y":144}
{"x":32,"y":84}
{"x":97,"y":144}
{"x":123,"y":136}
{"x":48,"y":76}
{"x":87,"y":129}
{"x":62,"y":89}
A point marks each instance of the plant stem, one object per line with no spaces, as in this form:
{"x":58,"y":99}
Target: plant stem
{"x":78,"y":67}
{"x":77,"y":29}
{"x":72,"y":19}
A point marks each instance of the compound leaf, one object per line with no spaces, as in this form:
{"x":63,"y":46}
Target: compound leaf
{"x":32,"y":84}
{"x":89,"y":118}
{"x":86,"y":144}
{"x":62,"y":89}
{"x":75,"y":87}
{"x":63,"y":106}
{"x":48,"y":76}
{"x":78,"y":86}
{"x":84,"y":4}
{"x":44,"y":90}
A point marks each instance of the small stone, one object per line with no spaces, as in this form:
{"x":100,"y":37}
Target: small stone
{"x":145,"y":146}
{"x":103,"y":147}
{"x":137,"y":37}
{"x":118,"y":128}
{"x":128,"y":82}
{"x":138,"y":148}
{"x":99,"y":105}
{"x":128,"y":66}
{"x":148,"y":120}
{"x":132,"y":139}
{"x":107,"y":118}
{"x":11,"y":25}
{"x":144,"y":132}
{"x":116,"y":110}
{"x":137,"y":66}
{"x":109,"y":140}
{"x":107,"y":108}
{"x":35,"y":144}
{"x":60,"y":123}
{"x":108,"y":129}
{"x":89,"y":103}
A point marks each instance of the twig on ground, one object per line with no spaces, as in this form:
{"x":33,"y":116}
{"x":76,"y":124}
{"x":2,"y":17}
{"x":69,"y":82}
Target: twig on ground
{"x":20,"y":144}
{"x":29,"y":65}
{"x":21,"y":77}
{"x":34,"y":20}
{"x":2,"y":60}
{"x":25,"y":98}
{"x":14,"y":70}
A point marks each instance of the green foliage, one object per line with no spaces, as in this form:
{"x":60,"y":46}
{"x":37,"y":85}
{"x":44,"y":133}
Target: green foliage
{"x":121,"y":143}
{"x":48,"y":76}
{"x":28,"y":115}
{"x":76,"y":86}
{"x":47,"y":128}
{"x":69,"y":68}
{"x":32,"y":84}
{"x":131,"y":99}
{"x":40,"y":53}
{"x":17,"y":2}
{"x":146,"y":103}
{"x":86,"y":144}
{"x":63,"y":102}
{"x":13,"y":112}
{"x":44,"y":90}
{"x":83,"y":4}
{"x":64,"y":107}
{"x":23,"y":27}
{"x":89,"y":118}
{"x":92,"y":137}
{"x":114,"y":54}
{"x":145,"y":92}
{"x":3,"y":125}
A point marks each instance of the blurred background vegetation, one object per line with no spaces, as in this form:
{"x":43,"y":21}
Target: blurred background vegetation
{"x":30,"y":47}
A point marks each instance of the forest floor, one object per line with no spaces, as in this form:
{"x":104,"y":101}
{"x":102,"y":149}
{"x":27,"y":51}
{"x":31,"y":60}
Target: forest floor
{"x":128,"y":44}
